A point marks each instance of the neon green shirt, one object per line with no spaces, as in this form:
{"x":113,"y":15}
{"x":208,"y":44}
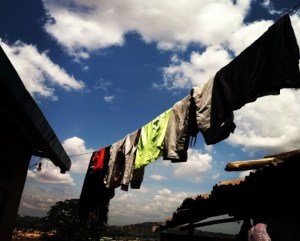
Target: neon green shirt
{"x":150,"y":143}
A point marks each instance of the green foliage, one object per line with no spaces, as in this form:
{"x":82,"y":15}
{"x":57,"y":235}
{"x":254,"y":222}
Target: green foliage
{"x":65,"y":218}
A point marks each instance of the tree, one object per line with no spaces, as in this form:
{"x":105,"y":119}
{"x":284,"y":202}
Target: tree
{"x":64,"y":217}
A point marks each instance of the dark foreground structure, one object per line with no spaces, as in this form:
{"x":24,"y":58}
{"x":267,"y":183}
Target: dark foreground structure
{"x":24,"y":132}
{"x":269,"y":194}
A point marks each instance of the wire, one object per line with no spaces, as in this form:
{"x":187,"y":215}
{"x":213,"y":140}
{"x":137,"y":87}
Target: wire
{"x":39,"y":160}
{"x":294,"y":8}
{"x":82,"y":154}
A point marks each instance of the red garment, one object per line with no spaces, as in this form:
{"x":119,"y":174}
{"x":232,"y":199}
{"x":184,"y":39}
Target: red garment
{"x":97,"y":161}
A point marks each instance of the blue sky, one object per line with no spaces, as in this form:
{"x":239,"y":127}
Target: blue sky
{"x":100,"y":70}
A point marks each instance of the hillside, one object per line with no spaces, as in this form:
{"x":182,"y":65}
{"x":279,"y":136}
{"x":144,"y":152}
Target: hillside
{"x":35,"y":228}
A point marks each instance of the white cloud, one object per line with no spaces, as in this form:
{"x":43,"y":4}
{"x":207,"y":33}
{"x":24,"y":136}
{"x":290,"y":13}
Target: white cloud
{"x":37,"y":200}
{"x":84,"y":26}
{"x":105,"y":86}
{"x":124,"y":197}
{"x":181,"y":74}
{"x":158,"y":177}
{"x":209,"y":148}
{"x":295,"y":20}
{"x":216,"y":175}
{"x":243,"y":174}
{"x":80,"y":155}
{"x":38,"y":73}
{"x":247,"y":34}
{"x":193,"y":169}
{"x":109,"y":99}
{"x":50,"y":174}
{"x":201,"y":67}
{"x":271,"y":123}
{"x":270,"y":7}
{"x":164,"y":196}
{"x":102,"y":85}
{"x":133,"y":207}
{"x":80,"y":30}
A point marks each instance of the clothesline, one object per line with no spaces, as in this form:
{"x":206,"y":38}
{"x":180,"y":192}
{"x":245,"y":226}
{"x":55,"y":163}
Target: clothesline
{"x":264,"y":68}
{"x":294,"y":8}
{"x":41,"y":158}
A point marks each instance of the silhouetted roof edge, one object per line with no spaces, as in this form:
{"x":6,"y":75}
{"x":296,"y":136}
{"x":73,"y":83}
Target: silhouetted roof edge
{"x":19,"y":105}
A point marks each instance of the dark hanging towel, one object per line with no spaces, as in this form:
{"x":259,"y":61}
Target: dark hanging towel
{"x":95,"y":196}
{"x":266,"y":66}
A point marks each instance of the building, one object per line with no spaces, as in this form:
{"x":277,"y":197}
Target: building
{"x":25,"y":132}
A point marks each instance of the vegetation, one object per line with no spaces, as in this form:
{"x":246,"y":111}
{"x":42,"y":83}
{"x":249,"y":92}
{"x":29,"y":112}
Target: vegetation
{"x":132,"y":231}
{"x":64,"y":217}
{"x":28,"y":222}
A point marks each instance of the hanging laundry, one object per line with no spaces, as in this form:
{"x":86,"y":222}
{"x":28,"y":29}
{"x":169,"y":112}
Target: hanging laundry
{"x":202,"y":96}
{"x":97,"y":160}
{"x":95,"y":196}
{"x":137,"y":177}
{"x":121,"y":161}
{"x":150,"y":144}
{"x":266,"y":66}
{"x":181,"y":127}
{"x":130,"y":153}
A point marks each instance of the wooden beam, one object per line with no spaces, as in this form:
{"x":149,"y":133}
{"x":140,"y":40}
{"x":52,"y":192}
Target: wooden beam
{"x":255,"y":164}
{"x":251,"y":164}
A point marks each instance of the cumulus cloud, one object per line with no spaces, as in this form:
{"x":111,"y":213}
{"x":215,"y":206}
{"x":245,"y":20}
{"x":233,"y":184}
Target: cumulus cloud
{"x":209,"y":148}
{"x":216,"y":175}
{"x":37,"y":200}
{"x":38,"y":73}
{"x":50,"y":174}
{"x":135,"y":206}
{"x":79,"y":153}
{"x":35,"y":203}
{"x":158,"y":177}
{"x":247,"y":34}
{"x":270,"y":124}
{"x":295,"y":20}
{"x":164,"y":196}
{"x":182,"y":74}
{"x":196,"y":71}
{"x":244,"y":174}
{"x":84,"y":26}
{"x":109,"y":99}
{"x":270,"y":7}
{"x":196,"y":165}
